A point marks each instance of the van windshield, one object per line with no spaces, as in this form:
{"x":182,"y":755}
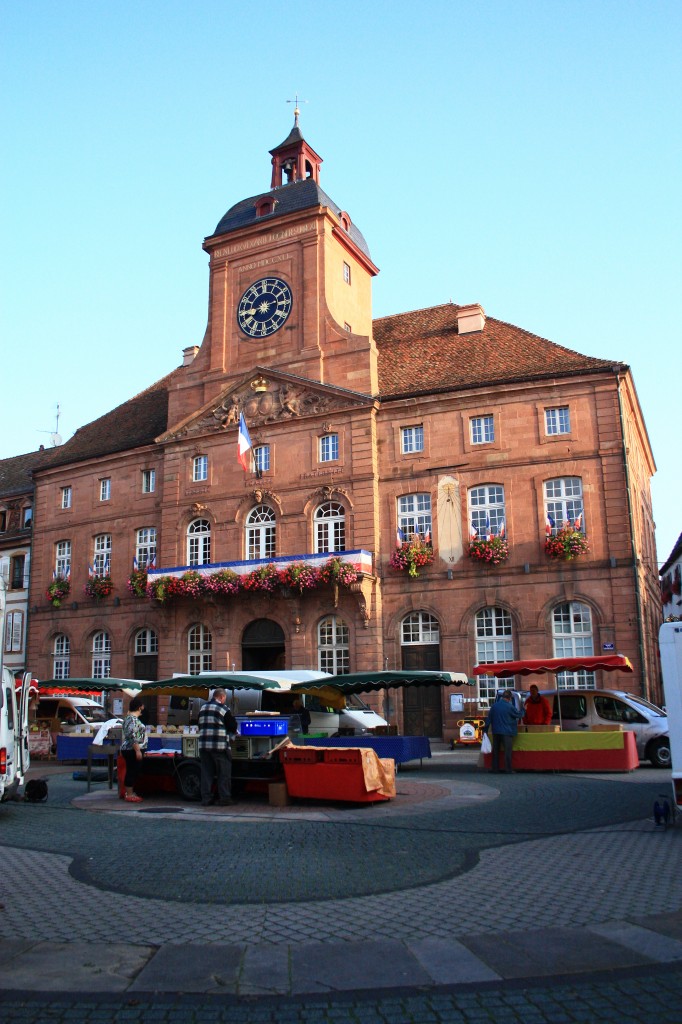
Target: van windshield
{"x":92,"y":712}
{"x":651,"y":708}
{"x":353,"y":703}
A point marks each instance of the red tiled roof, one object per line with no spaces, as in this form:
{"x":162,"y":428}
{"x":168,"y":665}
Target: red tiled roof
{"x":421,"y":352}
{"x":134,"y":424}
{"x":16,"y":473}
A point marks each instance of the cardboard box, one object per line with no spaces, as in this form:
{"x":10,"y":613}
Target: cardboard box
{"x":278,"y":795}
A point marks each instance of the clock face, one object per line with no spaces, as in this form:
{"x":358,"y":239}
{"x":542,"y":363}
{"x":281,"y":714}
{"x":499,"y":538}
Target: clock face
{"x":264,"y":307}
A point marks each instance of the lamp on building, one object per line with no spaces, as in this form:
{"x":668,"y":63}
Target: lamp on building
{"x":450,"y":574}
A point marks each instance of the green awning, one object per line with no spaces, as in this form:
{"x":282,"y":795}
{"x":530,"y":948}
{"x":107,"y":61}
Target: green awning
{"x":89,"y":685}
{"x":359,"y":682}
{"x":199,"y":686}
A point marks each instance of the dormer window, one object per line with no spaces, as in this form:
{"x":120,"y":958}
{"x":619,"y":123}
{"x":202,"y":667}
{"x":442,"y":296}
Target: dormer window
{"x":345,"y":220}
{"x":265,"y":206}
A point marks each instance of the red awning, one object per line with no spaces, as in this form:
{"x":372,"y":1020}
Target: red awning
{"x":542,"y":666}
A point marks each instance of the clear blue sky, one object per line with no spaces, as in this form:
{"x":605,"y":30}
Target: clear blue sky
{"x":524,"y":155}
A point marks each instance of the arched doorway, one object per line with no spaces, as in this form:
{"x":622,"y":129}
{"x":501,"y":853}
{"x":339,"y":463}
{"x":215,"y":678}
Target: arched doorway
{"x":263,"y":646}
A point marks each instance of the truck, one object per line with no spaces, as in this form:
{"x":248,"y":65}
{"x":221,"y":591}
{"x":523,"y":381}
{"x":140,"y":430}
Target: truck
{"x":670,"y":645}
{"x":14,"y":753}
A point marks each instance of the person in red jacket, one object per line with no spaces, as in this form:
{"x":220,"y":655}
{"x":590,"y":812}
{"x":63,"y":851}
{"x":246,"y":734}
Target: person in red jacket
{"x":537,"y":710}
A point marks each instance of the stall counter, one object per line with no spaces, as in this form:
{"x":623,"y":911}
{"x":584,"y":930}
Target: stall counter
{"x":573,"y":751}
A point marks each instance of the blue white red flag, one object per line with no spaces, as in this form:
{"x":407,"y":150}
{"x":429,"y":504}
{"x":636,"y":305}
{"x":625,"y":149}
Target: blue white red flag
{"x":549,"y":526}
{"x":136,"y":565}
{"x":578,"y":525}
{"x":244,"y":445}
{"x":474,"y":532}
{"x":151,"y":564}
{"x":427,"y":537}
{"x":399,"y":538}
{"x":502,"y":531}
{"x":488,"y":531}
{"x":91,"y":571}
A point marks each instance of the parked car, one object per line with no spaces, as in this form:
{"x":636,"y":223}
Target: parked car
{"x":582,"y":709}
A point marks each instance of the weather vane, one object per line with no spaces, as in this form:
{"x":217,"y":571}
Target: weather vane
{"x":296,"y":110}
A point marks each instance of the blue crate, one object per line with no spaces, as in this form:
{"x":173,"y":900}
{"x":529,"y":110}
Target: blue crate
{"x":264,"y":726}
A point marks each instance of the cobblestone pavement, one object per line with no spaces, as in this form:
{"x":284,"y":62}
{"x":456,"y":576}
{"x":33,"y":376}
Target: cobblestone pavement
{"x":386,"y":912}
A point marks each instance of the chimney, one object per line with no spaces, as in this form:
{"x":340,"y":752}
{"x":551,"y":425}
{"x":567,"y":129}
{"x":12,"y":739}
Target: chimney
{"x":188,"y":354}
{"x":470,"y":318}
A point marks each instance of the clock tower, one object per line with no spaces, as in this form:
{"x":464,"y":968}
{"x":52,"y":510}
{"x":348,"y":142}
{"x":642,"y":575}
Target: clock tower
{"x":290,"y":288}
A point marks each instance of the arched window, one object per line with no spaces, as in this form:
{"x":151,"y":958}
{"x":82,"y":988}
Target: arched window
{"x":486,"y":511}
{"x":333,"y":646}
{"x":420,"y":628}
{"x":61,"y":650}
{"x":199,"y":650}
{"x":102,"y":554}
{"x":572,"y":637}
{"x":146,"y":657}
{"x":414,"y":516}
{"x":260,"y":533}
{"x":146,"y":642}
{"x":101,"y":656}
{"x":199,"y":542}
{"x":330,"y":527}
{"x":494,"y":642}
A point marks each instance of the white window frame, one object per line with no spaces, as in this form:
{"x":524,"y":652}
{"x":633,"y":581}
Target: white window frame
{"x":101,"y":655}
{"x":494,"y":632}
{"x":261,"y":533}
{"x":62,"y":560}
{"x":346,"y":272}
{"x":14,"y":632}
{"x":199,"y":649}
{"x":105,"y":489}
{"x":333,"y":645}
{"x":148,"y":481}
{"x":412,"y":439}
{"x":199,"y":468}
{"x":329,"y":448}
{"x":482,"y":429}
{"x":414,"y":515}
{"x":199,"y":542}
{"x":487,"y":513}
{"x":330,"y":527}
{"x":564,"y":501}
{"x":573,"y":637}
{"x":146,"y":642}
{"x":557,"y":420}
{"x":261,"y":458}
{"x":102,"y":554}
{"x":67,"y":498}
{"x":419,"y":628}
{"x":61,"y":657}
{"x":145,"y":546}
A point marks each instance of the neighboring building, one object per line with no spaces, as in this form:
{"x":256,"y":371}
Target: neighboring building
{"x":16,"y":531}
{"x":440,"y":422}
{"x":671,"y":583}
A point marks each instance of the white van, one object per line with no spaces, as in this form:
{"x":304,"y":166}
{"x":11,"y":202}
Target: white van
{"x":582,"y":709}
{"x":65,"y":714}
{"x":14,"y":754}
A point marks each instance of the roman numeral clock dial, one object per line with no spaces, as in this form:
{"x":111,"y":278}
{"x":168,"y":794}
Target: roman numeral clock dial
{"x":264,"y":307}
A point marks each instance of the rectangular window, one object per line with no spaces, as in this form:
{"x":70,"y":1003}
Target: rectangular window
{"x":329,"y":448}
{"x":62,"y":565}
{"x":412,"y":439}
{"x":27,"y":517}
{"x":482,"y":430}
{"x":145,"y":547}
{"x":3,"y":521}
{"x":261,"y":458}
{"x":66,"y":497}
{"x":105,"y":489}
{"x":148,"y":481}
{"x":346,"y":272}
{"x":486,"y":512}
{"x":414,"y":516}
{"x":347,"y":327}
{"x":564,"y":504}
{"x":102,"y":565}
{"x":558,"y":421}
{"x":17,"y":579}
{"x":14,"y":632}
{"x":200,"y":468}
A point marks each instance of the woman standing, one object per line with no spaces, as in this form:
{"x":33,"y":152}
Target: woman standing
{"x":133,"y":743}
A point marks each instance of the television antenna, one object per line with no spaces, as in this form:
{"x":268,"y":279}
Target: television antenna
{"x":55,"y":436}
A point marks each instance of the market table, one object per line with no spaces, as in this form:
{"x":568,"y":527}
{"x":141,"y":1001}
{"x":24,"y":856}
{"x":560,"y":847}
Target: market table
{"x":72,"y":747}
{"x":573,"y":751}
{"x":399,"y":748}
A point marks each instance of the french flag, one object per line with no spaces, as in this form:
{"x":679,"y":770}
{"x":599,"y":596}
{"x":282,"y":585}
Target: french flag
{"x":578,"y":525}
{"x":399,"y":538}
{"x":152,"y":564}
{"x":488,"y":531}
{"x":135,"y":563}
{"x":474,"y":533}
{"x":91,"y":571}
{"x":549,"y":526}
{"x":244,"y":445}
{"x":427,"y":537}
{"x":502,"y":531}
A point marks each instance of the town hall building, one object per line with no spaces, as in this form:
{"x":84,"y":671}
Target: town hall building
{"x":432,"y":489}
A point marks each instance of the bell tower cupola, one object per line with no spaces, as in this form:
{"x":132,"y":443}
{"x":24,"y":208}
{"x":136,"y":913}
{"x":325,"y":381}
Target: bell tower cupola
{"x":294,"y":160}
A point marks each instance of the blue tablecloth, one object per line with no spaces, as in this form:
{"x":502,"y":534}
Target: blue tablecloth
{"x":400,"y":748}
{"x":75,"y":748}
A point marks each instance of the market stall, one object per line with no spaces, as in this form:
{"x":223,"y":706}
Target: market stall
{"x":540,"y":748}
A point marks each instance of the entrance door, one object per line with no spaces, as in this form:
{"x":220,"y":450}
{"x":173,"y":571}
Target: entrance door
{"x":422,"y":705}
{"x":263,"y":647}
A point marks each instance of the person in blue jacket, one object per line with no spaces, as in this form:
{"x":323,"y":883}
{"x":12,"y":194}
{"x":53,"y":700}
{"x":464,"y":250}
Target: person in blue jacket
{"x":503,"y":718}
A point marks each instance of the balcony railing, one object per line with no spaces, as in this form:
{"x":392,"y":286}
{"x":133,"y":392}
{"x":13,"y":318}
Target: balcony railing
{"x":361,"y":558}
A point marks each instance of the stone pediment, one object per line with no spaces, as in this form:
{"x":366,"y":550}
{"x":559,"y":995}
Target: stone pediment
{"x":266,"y":397}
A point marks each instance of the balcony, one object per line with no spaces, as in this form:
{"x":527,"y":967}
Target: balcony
{"x":361,"y":559}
